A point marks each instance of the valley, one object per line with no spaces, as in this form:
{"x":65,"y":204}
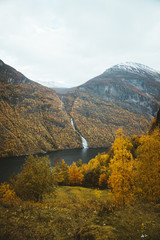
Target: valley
{"x":37,"y":119}
{"x":79,"y":120}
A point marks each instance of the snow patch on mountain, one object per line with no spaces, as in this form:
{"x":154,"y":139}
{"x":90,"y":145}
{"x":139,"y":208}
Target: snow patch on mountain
{"x":136,"y":68}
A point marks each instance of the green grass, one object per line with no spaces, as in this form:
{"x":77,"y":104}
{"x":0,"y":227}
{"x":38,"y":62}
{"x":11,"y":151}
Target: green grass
{"x":79,"y":194}
{"x":79,"y":213}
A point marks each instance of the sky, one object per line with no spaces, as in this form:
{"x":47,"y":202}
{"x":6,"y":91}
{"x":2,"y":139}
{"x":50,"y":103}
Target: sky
{"x":65,"y":43}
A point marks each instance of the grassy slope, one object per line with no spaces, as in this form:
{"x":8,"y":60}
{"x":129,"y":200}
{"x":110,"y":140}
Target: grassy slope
{"x":79,"y":213}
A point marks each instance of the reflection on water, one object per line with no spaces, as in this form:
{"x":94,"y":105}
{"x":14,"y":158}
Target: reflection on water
{"x":8,"y":166}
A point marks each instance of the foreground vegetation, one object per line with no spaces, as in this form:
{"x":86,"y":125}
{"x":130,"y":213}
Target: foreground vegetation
{"x":131,"y":169}
{"x":79,"y":213}
{"x":115,"y":196}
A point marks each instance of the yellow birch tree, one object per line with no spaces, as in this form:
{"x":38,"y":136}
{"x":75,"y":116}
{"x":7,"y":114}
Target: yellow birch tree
{"x":121,"y":165}
{"x":75,"y":175}
{"x":148,"y":167}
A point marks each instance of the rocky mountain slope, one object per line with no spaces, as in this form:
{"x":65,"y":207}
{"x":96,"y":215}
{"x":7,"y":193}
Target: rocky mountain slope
{"x":34,"y":118}
{"x":132,"y":86}
{"x":126,"y":95}
{"x":158,"y":119}
{"x":31,"y":117}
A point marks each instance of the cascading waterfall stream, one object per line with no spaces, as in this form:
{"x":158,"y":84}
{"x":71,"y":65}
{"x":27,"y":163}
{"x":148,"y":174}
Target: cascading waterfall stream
{"x":84,"y":141}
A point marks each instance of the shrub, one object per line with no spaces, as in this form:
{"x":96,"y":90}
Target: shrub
{"x":7,"y":195}
{"x":103,"y":180}
{"x":35,"y":179}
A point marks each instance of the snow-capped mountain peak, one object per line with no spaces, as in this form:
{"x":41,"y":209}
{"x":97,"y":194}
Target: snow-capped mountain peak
{"x":133,"y":67}
{"x":129,"y":83}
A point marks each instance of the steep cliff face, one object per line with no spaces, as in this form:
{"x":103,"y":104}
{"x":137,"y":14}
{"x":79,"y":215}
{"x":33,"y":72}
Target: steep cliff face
{"x":31,"y":117}
{"x":132,"y":86}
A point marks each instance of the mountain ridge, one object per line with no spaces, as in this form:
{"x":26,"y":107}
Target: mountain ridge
{"x":112,"y":100}
{"x":31,"y":117}
{"x":33,"y":120}
{"x":132,"y":67}
{"x":129,"y":87}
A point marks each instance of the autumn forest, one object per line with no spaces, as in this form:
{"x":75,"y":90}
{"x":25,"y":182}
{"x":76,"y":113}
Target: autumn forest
{"x":115,"y":196}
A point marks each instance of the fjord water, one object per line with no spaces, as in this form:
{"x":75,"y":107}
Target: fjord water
{"x":11,"y":165}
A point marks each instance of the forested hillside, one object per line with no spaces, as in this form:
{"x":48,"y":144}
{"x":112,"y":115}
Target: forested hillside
{"x":98,"y":120}
{"x":31,"y":117}
{"x":35,"y":119}
{"x":115,"y":196}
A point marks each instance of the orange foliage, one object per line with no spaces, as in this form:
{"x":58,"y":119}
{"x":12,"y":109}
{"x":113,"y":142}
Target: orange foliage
{"x":148,"y":167}
{"x":121,"y":179}
{"x":103,"y":180}
{"x":75,"y":175}
{"x":7,"y":195}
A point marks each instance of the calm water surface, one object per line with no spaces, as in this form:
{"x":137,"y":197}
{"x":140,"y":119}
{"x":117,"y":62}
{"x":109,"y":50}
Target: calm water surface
{"x":8,"y":166}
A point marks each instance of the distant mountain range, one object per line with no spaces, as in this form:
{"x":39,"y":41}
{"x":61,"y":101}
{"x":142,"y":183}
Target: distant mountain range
{"x":34,"y":118}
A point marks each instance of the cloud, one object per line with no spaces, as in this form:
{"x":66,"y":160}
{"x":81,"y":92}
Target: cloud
{"x":68,"y":42}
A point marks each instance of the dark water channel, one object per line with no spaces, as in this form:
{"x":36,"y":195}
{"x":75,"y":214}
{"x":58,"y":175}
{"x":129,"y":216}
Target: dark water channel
{"x":11,"y":165}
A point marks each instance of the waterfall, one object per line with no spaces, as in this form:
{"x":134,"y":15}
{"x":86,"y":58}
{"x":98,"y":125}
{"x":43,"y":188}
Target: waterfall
{"x":84,"y":141}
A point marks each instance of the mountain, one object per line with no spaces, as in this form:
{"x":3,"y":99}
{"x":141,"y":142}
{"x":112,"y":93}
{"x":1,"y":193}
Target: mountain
{"x":155,"y":122}
{"x":35,"y":118}
{"x":31,"y":117}
{"x":126,"y":95}
{"x":158,"y":119}
{"x":132,"y":86}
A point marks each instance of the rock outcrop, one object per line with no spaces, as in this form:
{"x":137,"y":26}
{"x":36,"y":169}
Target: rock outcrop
{"x":132,"y":86}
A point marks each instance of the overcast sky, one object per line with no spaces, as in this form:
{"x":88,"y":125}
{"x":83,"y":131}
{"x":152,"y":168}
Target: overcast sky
{"x":67,"y":42}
